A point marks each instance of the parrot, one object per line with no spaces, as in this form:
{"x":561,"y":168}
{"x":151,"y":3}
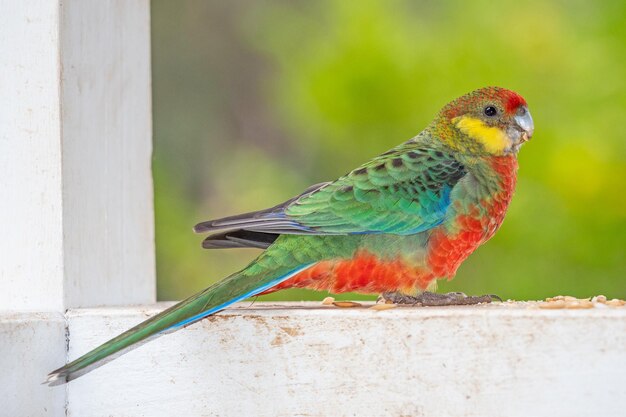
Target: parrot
{"x":393,"y":226}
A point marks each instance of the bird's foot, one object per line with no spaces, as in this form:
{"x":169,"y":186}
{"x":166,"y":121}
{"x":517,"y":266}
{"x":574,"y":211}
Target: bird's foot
{"x":433,"y":299}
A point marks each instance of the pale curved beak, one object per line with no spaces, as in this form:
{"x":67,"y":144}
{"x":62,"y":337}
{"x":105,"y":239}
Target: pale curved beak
{"x":525,"y":122}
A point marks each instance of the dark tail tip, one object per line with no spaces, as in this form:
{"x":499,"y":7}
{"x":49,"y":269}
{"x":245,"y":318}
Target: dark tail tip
{"x":55,"y":378}
{"x":201,"y":227}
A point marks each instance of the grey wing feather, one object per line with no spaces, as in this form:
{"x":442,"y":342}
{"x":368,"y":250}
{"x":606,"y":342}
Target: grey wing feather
{"x":257,"y":229}
{"x":239,"y":239}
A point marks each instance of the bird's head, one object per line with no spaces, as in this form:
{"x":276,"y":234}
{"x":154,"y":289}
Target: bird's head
{"x":488,"y":121}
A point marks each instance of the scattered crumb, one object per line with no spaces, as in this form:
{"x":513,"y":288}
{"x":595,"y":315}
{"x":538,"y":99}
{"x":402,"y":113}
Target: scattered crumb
{"x":599,"y":299}
{"x":346,"y":304}
{"x":579,"y":304}
{"x":561,"y":298}
{"x":328,"y":301}
{"x":569,"y":302}
{"x":382,"y":306}
{"x":552,"y":304}
{"x":616,"y":303}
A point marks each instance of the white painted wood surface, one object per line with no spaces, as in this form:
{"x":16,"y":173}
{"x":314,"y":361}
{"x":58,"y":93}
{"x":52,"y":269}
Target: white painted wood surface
{"x":31,"y":213}
{"x":308,"y":360}
{"x":107,"y":151}
{"x":75,"y":149}
{"x":30,"y":345}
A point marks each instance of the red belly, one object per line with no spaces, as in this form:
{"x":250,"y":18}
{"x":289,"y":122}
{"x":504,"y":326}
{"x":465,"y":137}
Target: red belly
{"x":365,"y":273}
{"x":370,"y":274}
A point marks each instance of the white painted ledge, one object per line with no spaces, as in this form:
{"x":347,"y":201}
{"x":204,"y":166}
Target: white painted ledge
{"x":309,"y":360}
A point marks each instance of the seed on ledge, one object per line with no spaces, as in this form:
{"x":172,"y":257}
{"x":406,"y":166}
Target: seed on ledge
{"x":328,"y":301}
{"x":553,"y":304}
{"x":561,"y":298}
{"x":615,"y":303}
{"x":382,"y":306}
{"x":346,"y":304}
{"x":579,"y":304}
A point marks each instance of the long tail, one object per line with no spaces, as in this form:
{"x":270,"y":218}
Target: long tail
{"x":253,"y":280}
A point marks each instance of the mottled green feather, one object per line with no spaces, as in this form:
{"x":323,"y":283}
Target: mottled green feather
{"x":402,"y":191}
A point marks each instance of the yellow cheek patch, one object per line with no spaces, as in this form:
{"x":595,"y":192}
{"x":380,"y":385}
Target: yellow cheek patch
{"x":492,"y":138}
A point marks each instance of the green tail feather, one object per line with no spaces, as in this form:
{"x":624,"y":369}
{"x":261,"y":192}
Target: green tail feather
{"x":251,"y":281}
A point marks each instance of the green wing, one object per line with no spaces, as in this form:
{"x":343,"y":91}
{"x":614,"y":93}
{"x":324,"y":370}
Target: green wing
{"x":404,"y":191}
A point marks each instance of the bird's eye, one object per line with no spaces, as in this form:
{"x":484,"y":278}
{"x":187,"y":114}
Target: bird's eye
{"x":491,"y":111}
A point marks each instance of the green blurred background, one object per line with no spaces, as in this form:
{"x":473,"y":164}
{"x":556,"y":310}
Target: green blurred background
{"x":256,"y":100}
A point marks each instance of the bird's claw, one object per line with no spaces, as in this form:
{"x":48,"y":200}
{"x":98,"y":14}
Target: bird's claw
{"x":431,"y":299}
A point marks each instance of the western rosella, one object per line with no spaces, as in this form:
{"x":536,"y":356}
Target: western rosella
{"x":394,"y":225}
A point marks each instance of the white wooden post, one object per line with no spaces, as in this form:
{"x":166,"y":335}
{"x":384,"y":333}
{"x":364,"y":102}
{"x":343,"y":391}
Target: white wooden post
{"x":75,"y":149}
{"x":31,"y":212}
{"x":106,"y":126}
{"x":76,"y":206}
